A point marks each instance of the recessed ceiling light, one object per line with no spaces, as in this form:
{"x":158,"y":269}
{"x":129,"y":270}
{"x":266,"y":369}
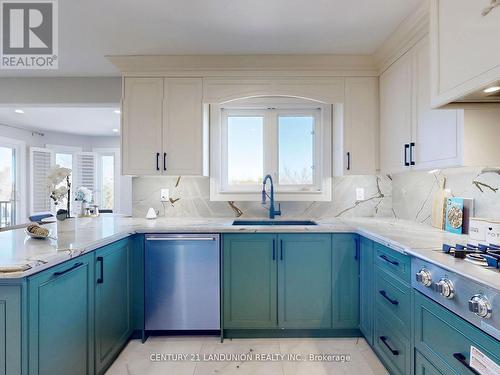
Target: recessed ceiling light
{"x":117,"y":111}
{"x":18,"y":111}
{"x":115,"y":130}
{"x":491,"y":89}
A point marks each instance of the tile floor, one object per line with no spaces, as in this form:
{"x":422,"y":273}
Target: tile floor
{"x":135,"y":358}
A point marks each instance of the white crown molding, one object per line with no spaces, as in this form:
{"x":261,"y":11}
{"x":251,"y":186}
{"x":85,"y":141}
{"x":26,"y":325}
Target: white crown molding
{"x":406,"y":35}
{"x":245,"y":65}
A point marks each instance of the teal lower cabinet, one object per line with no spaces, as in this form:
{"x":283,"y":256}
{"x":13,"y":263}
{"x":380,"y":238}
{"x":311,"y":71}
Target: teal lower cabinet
{"x":291,"y":284}
{"x":424,"y":367}
{"x":366,"y":288}
{"x":391,"y":345}
{"x":304,"y":281}
{"x":345,"y":283}
{"x":250,"y":281}
{"x":60,"y":319}
{"x":112,"y":302}
{"x":445,"y":339}
{"x":10,"y":329}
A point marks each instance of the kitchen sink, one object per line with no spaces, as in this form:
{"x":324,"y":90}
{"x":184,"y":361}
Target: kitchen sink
{"x":274,"y":222}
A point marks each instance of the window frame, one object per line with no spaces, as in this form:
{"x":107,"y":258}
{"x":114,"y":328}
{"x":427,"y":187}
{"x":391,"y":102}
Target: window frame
{"x":271,"y":109}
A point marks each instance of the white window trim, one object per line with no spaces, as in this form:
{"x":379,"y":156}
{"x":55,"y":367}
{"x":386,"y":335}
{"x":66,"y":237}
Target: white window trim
{"x":20,"y":147}
{"x":218,"y":148}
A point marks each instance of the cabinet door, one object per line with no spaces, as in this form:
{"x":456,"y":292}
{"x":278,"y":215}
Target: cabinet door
{"x":60,"y":317}
{"x":360,"y":125}
{"x":304,"y":286}
{"x":366,"y":288}
{"x":438,"y":133}
{"x":345,"y":281}
{"x":395,"y":114}
{"x":183,"y":127}
{"x":463,"y":57}
{"x":112,"y":302}
{"x":250,"y":281}
{"x":142,"y":126}
{"x":10,"y":329}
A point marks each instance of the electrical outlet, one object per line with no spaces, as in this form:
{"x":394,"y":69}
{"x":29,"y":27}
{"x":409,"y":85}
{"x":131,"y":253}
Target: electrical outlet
{"x":164,"y":195}
{"x":360,"y":194}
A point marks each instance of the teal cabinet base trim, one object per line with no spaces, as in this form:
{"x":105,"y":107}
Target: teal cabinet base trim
{"x":291,"y":333}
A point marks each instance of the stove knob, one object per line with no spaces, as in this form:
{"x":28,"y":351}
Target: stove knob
{"x":480,"y":306}
{"x":446,"y":288}
{"x":424,"y":277}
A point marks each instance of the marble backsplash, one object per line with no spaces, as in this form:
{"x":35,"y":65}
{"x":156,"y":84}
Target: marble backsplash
{"x":189,"y":197}
{"x":413,"y":192}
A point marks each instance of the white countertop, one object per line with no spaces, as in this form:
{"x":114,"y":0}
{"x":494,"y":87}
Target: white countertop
{"x":22,"y":256}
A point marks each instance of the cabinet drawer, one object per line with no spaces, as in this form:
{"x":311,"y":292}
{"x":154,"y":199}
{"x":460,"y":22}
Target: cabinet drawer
{"x":394,"y":298}
{"x":396,"y":263}
{"x":423,"y":366}
{"x":441,"y":335}
{"x":392,"y":347}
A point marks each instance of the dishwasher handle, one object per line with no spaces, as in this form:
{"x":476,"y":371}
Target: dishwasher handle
{"x":180,"y":238}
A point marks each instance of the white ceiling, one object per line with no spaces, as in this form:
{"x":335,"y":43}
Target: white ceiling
{"x":91,"y":29}
{"x":74,"y":120}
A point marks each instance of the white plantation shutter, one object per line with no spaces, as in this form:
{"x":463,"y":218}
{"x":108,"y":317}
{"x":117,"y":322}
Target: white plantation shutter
{"x":41,"y":161}
{"x":86,"y":171}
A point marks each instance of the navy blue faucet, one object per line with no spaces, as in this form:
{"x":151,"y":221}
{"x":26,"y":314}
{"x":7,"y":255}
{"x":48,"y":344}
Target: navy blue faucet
{"x":272,"y":211}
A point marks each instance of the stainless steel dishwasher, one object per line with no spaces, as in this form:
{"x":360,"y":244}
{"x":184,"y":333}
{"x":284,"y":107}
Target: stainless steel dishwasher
{"x":182,"y":282}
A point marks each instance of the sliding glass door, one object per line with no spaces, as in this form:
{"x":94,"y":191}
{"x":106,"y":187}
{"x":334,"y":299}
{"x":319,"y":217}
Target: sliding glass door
{"x":7,"y":186}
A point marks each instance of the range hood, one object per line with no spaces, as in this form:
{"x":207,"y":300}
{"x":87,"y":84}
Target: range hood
{"x":487,"y":94}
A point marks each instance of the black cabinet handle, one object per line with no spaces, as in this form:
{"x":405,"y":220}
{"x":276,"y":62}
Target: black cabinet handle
{"x":412,"y":146}
{"x":274,"y":249}
{"x":384,"y":294}
{"x":164,"y":161}
{"x":76,"y":265}
{"x":348,"y":161}
{"x":281,"y":249}
{"x":384,"y":340}
{"x":407,"y":146}
{"x":356,"y":253}
{"x":393,"y":262}
{"x":461,"y":358}
{"x":157,"y":161}
{"x":100,"y":280}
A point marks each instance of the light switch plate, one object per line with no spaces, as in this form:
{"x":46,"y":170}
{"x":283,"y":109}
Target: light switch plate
{"x":164,"y":195}
{"x":360,"y":194}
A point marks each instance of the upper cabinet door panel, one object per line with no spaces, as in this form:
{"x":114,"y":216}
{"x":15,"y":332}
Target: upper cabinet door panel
{"x":360,"y":125}
{"x":142,"y":126}
{"x":395,"y":114}
{"x":465,"y":47}
{"x":437,"y":132}
{"x":183,"y":127}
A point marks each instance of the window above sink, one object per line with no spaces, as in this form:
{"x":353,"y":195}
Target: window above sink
{"x":287,"y":138}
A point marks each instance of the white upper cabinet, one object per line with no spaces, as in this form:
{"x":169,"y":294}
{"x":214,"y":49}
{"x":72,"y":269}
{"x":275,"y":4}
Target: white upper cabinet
{"x":162,"y":126}
{"x":360,"y":125}
{"x":396,"y":115}
{"x":464,"y":46}
{"x":142,"y":126}
{"x":437,"y":134}
{"x":412,"y":135}
{"x":183,"y":126}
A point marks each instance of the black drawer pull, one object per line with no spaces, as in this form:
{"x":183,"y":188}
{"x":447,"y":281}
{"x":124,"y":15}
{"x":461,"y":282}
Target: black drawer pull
{"x":274,"y":249}
{"x":384,"y":340}
{"x":281,"y":249}
{"x":157,"y":161}
{"x":407,"y":147}
{"x":461,"y":358}
{"x":164,"y":161}
{"x":384,"y":294}
{"x":100,"y":280}
{"x":76,"y":265}
{"x":393,"y":262}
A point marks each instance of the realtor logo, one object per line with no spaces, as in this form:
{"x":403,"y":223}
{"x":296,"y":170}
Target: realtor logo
{"x":28,"y":38}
